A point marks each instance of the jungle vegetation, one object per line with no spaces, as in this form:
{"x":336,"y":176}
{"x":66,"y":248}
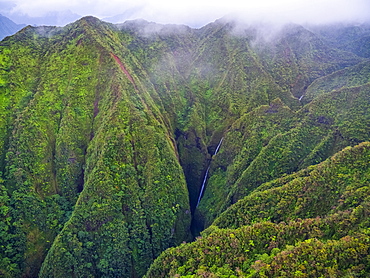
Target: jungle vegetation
{"x":106,"y":132}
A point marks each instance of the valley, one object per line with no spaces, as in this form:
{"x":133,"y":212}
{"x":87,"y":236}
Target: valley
{"x":148,"y":150}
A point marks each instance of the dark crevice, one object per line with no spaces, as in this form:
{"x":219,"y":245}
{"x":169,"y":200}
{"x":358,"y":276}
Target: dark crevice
{"x":197,"y":222}
{"x":80,"y":181}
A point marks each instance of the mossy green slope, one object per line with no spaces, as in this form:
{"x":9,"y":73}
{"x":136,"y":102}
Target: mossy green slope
{"x":246,"y":138}
{"x":209,"y":78}
{"x":305,"y":224}
{"x":90,"y":126}
{"x":320,"y":191}
{"x":297,"y":56}
{"x":106,"y":132}
{"x":348,"y":77}
{"x":205,"y":79}
{"x":27,"y":212}
{"x":348,"y":37}
{"x":279,"y":141}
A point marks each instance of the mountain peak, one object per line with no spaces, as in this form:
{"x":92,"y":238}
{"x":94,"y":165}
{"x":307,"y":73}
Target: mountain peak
{"x":90,"y":19}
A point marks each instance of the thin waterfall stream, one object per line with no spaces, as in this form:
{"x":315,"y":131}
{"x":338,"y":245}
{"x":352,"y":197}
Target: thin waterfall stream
{"x":206,"y":174}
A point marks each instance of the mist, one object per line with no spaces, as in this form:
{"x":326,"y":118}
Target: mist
{"x":194,"y":13}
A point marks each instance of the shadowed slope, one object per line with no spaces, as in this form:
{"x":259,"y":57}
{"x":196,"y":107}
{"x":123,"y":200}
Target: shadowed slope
{"x":336,"y":192}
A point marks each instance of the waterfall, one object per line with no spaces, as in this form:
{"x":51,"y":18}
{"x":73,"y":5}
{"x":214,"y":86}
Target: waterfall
{"x":218,"y":146}
{"x":206,"y":174}
{"x":203,"y":185}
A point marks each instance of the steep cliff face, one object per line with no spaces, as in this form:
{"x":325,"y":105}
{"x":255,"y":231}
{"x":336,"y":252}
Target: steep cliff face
{"x":106,"y":132}
{"x":279,"y":141}
{"x":89,"y":159}
{"x":313,"y":222}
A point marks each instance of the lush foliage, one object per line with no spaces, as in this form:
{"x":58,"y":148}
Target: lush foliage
{"x":315,"y":223}
{"x":106,"y":132}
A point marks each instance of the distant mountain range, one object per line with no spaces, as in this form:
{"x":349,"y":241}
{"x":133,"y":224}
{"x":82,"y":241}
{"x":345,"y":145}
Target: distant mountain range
{"x":52,"y":18}
{"x":8,"y":27}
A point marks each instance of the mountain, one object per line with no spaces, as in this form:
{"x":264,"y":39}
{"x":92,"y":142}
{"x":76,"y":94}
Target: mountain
{"x":118,"y":142}
{"x":349,"y":37}
{"x":52,"y":18}
{"x":312,"y":222}
{"x":8,"y":27}
{"x":129,"y":13}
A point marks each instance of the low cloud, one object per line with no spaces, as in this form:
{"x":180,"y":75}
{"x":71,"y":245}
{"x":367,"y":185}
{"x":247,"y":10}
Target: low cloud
{"x":196,"y":13}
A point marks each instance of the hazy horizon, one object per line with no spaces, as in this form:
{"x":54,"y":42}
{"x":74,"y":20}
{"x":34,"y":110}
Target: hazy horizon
{"x":192,"y":13}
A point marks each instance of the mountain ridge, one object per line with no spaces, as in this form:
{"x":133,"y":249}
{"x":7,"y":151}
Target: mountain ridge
{"x":261,"y":243}
{"x":8,"y":27}
{"x":107,"y":132}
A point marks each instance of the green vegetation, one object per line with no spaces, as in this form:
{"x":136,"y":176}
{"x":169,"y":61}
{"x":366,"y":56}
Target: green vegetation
{"x":312,"y":223}
{"x":283,"y":142}
{"x":349,"y":77}
{"x":106,"y":132}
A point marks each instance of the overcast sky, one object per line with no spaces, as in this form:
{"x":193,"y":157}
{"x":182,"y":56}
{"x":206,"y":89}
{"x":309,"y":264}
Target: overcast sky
{"x":198,"y":12}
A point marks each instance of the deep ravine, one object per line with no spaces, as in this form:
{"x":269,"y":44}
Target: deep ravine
{"x":206,"y":174}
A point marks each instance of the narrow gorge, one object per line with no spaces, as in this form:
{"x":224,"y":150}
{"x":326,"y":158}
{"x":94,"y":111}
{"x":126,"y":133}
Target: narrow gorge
{"x":148,"y":150}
